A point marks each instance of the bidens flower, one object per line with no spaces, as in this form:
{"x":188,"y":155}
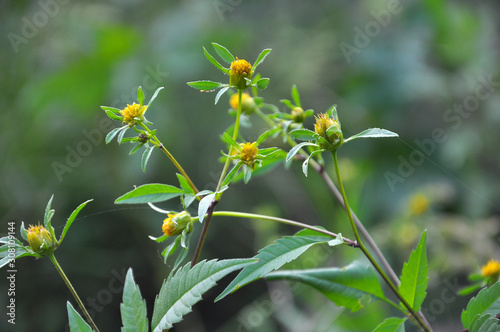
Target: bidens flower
{"x":248,"y":105}
{"x":239,"y":71}
{"x":329,"y":129}
{"x":248,"y":153}
{"x":491,"y":269}
{"x":133,"y":113}
{"x":419,"y":204}
{"x":175,"y":224}
{"x":40,"y":240}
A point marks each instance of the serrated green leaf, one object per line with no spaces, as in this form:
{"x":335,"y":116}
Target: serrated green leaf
{"x":347,"y":287}
{"x":260,"y":58}
{"x":149,"y":193}
{"x":184,"y":289}
{"x":76,"y":323}
{"x":293,"y":151}
{"x":484,"y":323}
{"x":215,"y":62}
{"x":392,"y":324}
{"x":274,"y":256}
{"x":487,"y":301}
{"x":204,"y":205}
{"x":154,"y":96}
{"x":206,"y":85}
{"x":220,"y":93}
{"x":71,"y":218}
{"x":414,"y":277}
{"x":145,"y":157}
{"x":133,"y":307}
{"x":263,"y":83}
{"x":296,"y":96}
{"x":373,"y":133}
{"x":140,"y":96}
{"x":223,"y":53}
{"x":304,"y":134}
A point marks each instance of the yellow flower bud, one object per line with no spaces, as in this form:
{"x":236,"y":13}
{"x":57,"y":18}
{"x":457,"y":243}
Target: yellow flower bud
{"x":40,"y":240}
{"x":176,"y":223}
{"x":132,"y":112}
{"x":419,"y":203}
{"x":334,"y":136}
{"x":491,"y":269}
{"x":248,"y":105}
{"x":249,"y":153}
{"x":298,"y":114}
{"x":240,"y":69}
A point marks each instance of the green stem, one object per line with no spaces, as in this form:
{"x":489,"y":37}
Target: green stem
{"x":72,"y":290}
{"x":365,"y":251}
{"x":158,"y":143}
{"x":211,"y":208}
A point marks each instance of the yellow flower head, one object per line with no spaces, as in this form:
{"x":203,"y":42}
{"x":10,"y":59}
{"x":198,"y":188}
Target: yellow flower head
{"x":491,"y":269}
{"x":419,"y":203}
{"x":249,"y":153}
{"x":176,"y":223}
{"x":40,"y":239}
{"x":240,"y":69}
{"x":335,"y":137}
{"x":248,"y":105}
{"x":131,"y":112}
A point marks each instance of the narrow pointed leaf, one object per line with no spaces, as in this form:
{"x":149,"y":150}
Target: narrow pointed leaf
{"x":220,"y":93}
{"x":76,"y":323}
{"x":149,"y":193}
{"x":304,"y":134}
{"x":140,"y":96}
{"x":230,"y":175}
{"x":204,"y":205}
{"x":112,"y":133}
{"x":111,"y":109}
{"x":223,"y":53}
{"x":263,"y":83}
{"x":296,"y":96}
{"x":71,"y":218}
{"x":184,"y":184}
{"x":287,"y":103}
{"x":487,"y":301}
{"x":247,"y":174}
{"x":305,"y":164}
{"x":350,"y":287}
{"x":332,"y":113}
{"x":122,"y":133}
{"x":145,"y":157}
{"x":185,"y":287}
{"x":214,"y":62}
{"x":113,"y":116}
{"x":373,"y":133}
{"x":414,"y":277}
{"x":154,"y":96}
{"x":293,"y":151}
{"x":392,"y":324}
{"x":229,"y":140}
{"x":274,"y":256}
{"x":206,"y":85}
{"x":133,"y":307}
{"x":261,"y":58}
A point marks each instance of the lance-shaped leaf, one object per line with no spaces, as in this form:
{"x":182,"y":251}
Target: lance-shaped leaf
{"x":140,"y":96}
{"x":223,"y":53}
{"x":263,"y":83}
{"x":206,"y":85}
{"x":76,"y":322}
{"x":414,"y":277}
{"x":155,"y":94}
{"x":261,"y":58}
{"x":274,"y":256}
{"x":71,"y":218}
{"x":214,"y":62}
{"x":293,"y":151}
{"x":204,"y":205}
{"x":350,"y":287}
{"x":392,"y":324}
{"x":149,"y":193}
{"x":145,"y":157}
{"x":133,"y":309}
{"x":372,"y":133}
{"x":487,"y":301}
{"x":184,"y":289}
{"x":12,"y":248}
{"x":296,"y":96}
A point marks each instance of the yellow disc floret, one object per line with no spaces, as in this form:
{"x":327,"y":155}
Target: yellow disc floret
{"x":419,"y":203}
{"x":40,"y":239}
{"x":249,"y":153}
{"x":248,"y":105}
{"x":175,"y":224}
{"x":240,"y":69}
{"x":491,"y":269}
{"x":132,"y":112}
{"x":330,"y":130}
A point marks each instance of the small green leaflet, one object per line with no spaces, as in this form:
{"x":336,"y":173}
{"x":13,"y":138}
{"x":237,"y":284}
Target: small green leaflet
{"x":414,"y":277}
{"x":392,"y":324}
{"x":184,"y":288}
{"x":149,"y":193}
{"x":372,"y":133}
{"x":274,"y":256}
{"x":76,"y":322}
{"x":351,"y":287}
{"x":487,"y":301}
{"x":133,"y":307}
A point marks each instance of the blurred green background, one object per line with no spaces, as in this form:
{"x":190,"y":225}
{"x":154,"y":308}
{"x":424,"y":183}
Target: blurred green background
{"x":428,"y":70}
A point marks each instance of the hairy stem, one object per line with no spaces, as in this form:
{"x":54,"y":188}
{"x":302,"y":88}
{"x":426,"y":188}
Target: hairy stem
{"x":72,"y":290}
{"x":368,"y":255}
